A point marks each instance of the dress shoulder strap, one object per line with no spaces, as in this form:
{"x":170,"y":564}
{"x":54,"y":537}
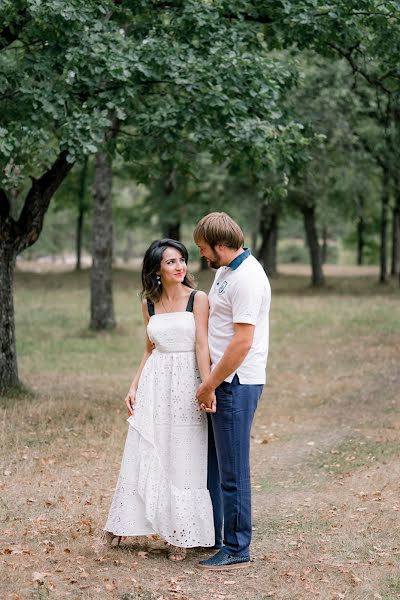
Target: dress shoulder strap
{"x":150,"y":307}
{"x":189,"y":307}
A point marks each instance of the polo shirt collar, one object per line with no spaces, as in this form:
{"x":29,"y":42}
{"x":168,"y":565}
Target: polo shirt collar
{"x":236,"y":262}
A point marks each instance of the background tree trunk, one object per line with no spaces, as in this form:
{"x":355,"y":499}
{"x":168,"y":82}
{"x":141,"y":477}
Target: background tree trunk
{"x":267,"y":253}
{"x":172,"y":230}
{"x":384,"y":227}
{"x":324,"y":248}
{"x":101,"y":297}
{"x":8,"y":355}
{"x":81,"y":213}
{"x":360,"y":240}
{"x":203,"y":264}
{"x":395,"y":263}
{"x":128,"y":251}
{"x":360,"y":229}
{"x":317,"y":278}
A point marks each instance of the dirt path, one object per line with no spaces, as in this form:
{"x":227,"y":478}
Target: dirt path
{"x":325,"y":455}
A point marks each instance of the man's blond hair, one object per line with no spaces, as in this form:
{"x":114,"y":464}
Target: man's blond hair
{"x":219,"y":228}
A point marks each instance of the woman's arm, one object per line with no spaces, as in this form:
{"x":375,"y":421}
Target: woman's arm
{"x":130,"y":399}
{"x":200,"y":312}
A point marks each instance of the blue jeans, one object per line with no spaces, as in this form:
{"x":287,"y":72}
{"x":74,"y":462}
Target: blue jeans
{"x":229,"y":464}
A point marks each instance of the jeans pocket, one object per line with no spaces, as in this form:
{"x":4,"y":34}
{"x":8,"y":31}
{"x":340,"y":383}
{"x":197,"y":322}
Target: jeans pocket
{"x":226,"y":388}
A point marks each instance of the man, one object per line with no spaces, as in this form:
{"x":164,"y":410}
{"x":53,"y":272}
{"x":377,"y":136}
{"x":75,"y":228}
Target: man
{"x":238,"y":339}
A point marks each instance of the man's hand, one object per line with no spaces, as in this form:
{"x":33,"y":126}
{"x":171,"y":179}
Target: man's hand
{"x":206,"y":397}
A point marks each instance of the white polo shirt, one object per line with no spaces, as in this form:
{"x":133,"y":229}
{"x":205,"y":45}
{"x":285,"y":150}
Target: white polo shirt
{"x":241,"y":293}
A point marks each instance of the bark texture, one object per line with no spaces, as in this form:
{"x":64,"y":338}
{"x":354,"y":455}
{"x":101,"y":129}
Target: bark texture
{"x":383,"y":259}
{"x":8,"y":353}
{"x":267,"y":254}
{"x":317,"y":277}
{"x":101,"y":297}
{"x":81,"y":213}
{"x":395,"y":263}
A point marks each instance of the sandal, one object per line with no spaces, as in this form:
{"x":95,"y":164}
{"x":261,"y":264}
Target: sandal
{"x":176,"y":553}
{"x":106,"y":539}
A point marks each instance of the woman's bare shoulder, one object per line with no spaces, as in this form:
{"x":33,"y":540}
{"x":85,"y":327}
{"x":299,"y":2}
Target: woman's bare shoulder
{"x":200,"y":299}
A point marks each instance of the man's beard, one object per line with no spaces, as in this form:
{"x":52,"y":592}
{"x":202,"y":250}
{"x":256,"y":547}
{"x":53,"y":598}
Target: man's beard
{"x":215,"y":262}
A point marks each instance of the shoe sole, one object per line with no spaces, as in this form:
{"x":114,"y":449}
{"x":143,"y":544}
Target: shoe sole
{"x":224,"y":567}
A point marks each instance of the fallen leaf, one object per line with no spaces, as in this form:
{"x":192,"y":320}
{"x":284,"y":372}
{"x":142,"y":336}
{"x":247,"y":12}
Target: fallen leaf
{"x":39,"y":577}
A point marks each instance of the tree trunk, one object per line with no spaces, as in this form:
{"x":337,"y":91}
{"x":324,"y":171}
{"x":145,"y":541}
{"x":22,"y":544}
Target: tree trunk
{"x":324,"y":249}
{"x":16,"y":236}
{"x":395,"y":264}
{"x":310,"y":227}
{"x":267,"y":254}
{"x":203,"y":264}
{"x":128,"y":252}
{"x":172,"y":230}
{"x":81,"y":214}
{"x":101,"y":297}
{"x":8,"y":355}
{"x":384,"y":227}
{"x":360,"y":240}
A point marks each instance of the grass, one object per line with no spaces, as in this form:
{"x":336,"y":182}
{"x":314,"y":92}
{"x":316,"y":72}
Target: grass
{"x":392,"y":588}
{"x":331,"y":399}
{"x":351,"y":454}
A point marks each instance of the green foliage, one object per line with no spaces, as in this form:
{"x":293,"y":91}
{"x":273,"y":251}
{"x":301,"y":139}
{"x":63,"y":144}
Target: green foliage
{"x":166,"y":72}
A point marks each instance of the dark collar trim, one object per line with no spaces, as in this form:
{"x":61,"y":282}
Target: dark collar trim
{"x":236,"y":262}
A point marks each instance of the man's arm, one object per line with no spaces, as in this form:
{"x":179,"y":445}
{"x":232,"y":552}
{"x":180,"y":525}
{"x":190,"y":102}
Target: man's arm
{"x":233,"y":357}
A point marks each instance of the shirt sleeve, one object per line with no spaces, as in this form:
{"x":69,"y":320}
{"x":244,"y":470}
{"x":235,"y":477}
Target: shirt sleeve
{"x":246,"y":302}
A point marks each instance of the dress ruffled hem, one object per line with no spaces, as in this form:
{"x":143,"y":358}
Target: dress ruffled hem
{"x":183,"y":517}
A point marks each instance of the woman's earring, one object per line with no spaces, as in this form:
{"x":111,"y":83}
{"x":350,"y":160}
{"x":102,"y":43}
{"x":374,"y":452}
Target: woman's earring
{"x":158,"y":280}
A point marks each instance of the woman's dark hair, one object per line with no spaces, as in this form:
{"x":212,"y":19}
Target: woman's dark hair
{"x":151,"y":286}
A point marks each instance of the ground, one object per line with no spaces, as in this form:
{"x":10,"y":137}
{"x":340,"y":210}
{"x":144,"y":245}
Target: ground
{"x":325,"y":450}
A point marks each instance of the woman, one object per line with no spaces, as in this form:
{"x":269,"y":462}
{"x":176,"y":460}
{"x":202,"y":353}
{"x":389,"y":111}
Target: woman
{"x":162,"y":486}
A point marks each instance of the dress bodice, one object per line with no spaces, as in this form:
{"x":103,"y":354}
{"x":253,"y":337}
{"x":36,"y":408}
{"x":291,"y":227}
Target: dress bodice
{"x":173,"y":332}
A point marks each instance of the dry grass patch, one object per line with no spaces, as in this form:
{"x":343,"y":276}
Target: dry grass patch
{"x":332,"y":398}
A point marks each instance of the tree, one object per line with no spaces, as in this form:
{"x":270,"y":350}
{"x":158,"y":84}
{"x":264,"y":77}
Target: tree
{"x":193,"y":70}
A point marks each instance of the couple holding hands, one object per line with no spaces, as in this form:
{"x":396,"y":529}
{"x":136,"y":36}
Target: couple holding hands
{"x":185,"y":472}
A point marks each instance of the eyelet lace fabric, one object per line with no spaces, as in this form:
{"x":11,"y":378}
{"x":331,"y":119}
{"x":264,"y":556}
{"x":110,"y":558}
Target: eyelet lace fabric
{"x":162,"y":485}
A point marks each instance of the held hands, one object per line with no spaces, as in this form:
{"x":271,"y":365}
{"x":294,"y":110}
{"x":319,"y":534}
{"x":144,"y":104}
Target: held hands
{"x":206,"y":398}
{"x":130,"y":401}
{"x":213,"y":408}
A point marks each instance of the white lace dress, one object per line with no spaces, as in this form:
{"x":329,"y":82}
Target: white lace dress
{"x":162,"y":485}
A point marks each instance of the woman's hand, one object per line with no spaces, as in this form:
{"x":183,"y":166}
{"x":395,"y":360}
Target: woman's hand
{"x":213,"y":407}
{"x":130,"y":401}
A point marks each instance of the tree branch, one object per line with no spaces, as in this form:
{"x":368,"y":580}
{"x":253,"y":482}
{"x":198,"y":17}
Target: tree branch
{"x":348,"y":55}
{"x":30,"y":222}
